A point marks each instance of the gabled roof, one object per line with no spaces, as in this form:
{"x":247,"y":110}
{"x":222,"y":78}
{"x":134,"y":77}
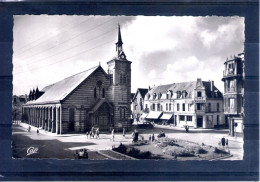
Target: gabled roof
{"x":56,"y":92}
{"x":142,"y":91}
{"x":187,"y":86}
{"x":99,"y":103}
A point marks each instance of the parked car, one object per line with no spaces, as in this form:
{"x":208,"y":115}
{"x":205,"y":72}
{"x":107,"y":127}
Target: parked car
{"x":145,"y":125}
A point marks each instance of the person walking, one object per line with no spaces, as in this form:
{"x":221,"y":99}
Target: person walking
{"x":123,"y":132}
{"x":226,"y":142}
{"x":97,"y":132}
{"x":29,"y":129}
{"x":87,"y":134}
{"x":37,"y":131}
{"x":153,"y":137}
{"x":112,"y":135}
{"x":223,"y":141}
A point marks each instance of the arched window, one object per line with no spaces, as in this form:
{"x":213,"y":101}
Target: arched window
{"x":121,"y":78}
{"x":103,"y":92}
{"x":95,"y":92}
{"x":124,"y":113}
{"x":120,"y":113}
{"x":124,"y":79}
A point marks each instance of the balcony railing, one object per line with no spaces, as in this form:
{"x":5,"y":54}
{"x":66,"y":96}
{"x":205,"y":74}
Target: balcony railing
{"x":229,"y":72}
{"x":200,"y":99}
{"x":230,"y":89}
{"x":229,"y":110}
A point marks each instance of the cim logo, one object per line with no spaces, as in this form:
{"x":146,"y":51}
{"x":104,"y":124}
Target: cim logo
{"x":32,"y":150}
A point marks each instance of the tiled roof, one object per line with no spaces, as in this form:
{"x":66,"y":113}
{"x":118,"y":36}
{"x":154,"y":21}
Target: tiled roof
{"x":59,"y":90}
{"x":187,"y":86}
{"x":142,"y":91}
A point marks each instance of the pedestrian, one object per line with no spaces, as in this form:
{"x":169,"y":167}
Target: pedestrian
{"x":153,"y":137}
{"x":97,"y":132}
{"x":133,"y":136}
{"x":223,"y":141}
{"x":123,"y":132}
{"x":226,"y":142}
{"x":87,"y":134}
{"x":112,"y":135}
{"x":37,"y":131}
{"x":29,"y":129}
{"x":150,"y":138}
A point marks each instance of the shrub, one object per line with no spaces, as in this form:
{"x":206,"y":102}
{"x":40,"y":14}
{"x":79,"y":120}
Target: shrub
{"x":121,"y":148}
{"x":201,"y":151}
{"x":133,"y":152}
{"x":220,"y":151}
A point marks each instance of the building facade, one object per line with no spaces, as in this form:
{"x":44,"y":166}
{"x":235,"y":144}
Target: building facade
{"x":196,"y":104}
{"x":92,"y":98}
{"x":138,"y":104}
{"x":233,"y":78}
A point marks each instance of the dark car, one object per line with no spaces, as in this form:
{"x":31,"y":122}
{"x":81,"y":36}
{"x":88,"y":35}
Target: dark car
{"x":145,"y":125}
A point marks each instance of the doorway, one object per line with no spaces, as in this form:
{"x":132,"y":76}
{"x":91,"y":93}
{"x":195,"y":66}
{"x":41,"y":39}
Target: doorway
{"x":199,"y":121}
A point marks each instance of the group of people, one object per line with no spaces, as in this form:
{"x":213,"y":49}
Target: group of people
{"x":152,"y":138}
{"x":223,"y":142}
{"x":29,"y":130}
{"x":81,"y":154}
{"x":93,"y":133}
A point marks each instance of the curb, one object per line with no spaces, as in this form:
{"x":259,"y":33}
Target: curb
{"x":125,"y":155}
{"x":221,"y":157}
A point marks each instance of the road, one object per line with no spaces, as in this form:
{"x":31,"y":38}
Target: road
{"x":63,"y":146}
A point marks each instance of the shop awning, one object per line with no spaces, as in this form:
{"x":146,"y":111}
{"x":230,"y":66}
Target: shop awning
{"x":154,"y":115}
{"x":143,"y":116}
{"x":166,"y":116}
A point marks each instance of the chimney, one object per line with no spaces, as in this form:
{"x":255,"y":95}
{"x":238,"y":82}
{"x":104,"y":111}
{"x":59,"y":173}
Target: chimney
{"x":212,"y":86}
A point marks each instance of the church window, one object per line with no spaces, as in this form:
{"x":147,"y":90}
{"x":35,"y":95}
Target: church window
{"x":120,"y":112}
{"x":103,"y":92}
{"x":124,"y":112}
{"x":111,"y":78}
{"x":124,"y":79}
{"x":95,"y":92}
{"x":121,"y":78}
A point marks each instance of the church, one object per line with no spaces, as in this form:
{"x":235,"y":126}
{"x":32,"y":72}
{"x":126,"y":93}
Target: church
{"x":92,"y":98}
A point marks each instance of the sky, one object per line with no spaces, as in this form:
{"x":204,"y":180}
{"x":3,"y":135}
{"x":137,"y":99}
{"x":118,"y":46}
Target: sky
{"x":163,"y":50}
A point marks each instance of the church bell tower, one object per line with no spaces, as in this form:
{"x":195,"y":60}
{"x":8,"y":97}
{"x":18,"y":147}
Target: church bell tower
{"x":119,"y":71}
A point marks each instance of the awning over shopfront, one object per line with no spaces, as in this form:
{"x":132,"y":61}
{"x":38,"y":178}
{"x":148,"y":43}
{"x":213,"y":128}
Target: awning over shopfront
{"x":154,"y":115}
{"x":143,"y":116}
{"x":166,"y":116}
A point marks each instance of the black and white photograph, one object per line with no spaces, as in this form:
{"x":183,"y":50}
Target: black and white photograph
{"x":128,"y":87}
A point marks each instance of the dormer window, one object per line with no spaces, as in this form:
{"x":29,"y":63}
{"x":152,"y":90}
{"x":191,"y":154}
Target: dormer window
{"x":184,"y":94}
{"x":154,"y":96}
{"x":199,"y":94}
{"x":178,"y":94}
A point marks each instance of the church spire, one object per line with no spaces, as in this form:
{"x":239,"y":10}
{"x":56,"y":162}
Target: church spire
{"x":119,"y":43}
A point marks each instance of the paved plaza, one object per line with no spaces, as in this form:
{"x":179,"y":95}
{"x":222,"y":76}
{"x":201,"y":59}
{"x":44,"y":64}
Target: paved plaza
{"x":51,"y":145}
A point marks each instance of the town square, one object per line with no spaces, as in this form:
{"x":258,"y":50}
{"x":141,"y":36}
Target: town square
{"x":116,"y":109}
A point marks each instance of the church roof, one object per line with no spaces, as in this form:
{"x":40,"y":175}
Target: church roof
{"x":56,"y":92}
{"x":99,"y":103}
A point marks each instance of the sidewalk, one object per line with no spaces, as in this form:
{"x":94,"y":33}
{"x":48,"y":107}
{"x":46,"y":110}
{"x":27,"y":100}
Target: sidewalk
{"x":105,"y":143}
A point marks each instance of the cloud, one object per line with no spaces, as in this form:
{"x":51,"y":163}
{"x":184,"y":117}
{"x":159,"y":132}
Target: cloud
{"x":162,"y":49}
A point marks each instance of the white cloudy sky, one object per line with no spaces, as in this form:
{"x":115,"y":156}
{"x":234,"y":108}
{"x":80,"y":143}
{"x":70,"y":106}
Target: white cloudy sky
{"x":162,"y":49}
